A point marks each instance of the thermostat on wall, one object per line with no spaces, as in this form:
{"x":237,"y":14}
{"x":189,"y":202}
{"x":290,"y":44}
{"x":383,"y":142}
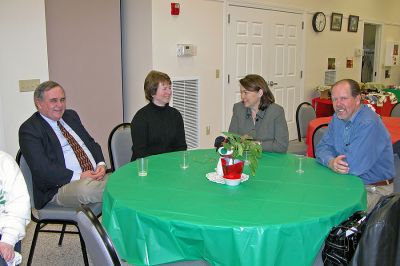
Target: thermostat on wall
{"x":185,"y":50}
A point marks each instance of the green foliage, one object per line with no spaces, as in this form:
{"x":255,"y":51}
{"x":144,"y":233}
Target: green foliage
{"x":239,"y":144}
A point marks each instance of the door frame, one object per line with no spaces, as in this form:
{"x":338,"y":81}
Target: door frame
{"x":378,"y":49}
{"x":265,"y":6}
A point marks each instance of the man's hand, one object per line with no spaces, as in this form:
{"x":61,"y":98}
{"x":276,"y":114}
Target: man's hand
{"x":6,"y":251}
{"x":97,"y":174}
{"x":339,"y":165}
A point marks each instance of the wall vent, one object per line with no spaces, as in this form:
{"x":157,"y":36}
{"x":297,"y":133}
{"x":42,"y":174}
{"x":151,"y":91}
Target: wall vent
{"x":186,"y":99}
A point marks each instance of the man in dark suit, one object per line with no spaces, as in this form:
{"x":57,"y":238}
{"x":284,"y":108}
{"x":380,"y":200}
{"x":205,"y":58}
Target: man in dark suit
{"x":58,"y":174}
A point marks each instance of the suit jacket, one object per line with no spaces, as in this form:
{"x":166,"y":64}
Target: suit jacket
{"x":270,"y":127}
{"x":43,"y":153}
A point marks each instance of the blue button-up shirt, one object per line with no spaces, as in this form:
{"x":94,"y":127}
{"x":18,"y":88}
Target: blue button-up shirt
{"x":365,"y":142}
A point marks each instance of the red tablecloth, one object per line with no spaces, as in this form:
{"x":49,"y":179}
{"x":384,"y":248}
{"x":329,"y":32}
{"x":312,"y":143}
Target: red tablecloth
{"x":323,"y":107}
{"x":391,"y":123}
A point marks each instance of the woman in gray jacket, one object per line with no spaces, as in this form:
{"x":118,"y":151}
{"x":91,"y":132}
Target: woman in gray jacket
{"x":258,"y":116}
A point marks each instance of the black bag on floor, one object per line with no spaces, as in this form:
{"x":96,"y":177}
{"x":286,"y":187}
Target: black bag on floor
{"x":343,"y":239}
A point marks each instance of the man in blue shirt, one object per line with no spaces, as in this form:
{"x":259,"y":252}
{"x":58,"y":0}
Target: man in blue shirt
{"x":357,"y":142}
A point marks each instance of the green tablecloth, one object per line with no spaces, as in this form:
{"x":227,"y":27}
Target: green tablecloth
{"x":278,"y":217}
{"x":396,"y":92}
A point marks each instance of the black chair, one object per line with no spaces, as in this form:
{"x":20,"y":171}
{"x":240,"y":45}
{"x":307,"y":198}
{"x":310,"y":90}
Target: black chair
{"x":317,"y":135}
{"x":380,"y":241}
{"x":396,"y":179}
{"x":99,"y":244}
{"x":51,"y":214}
{"x":395,"y":112}
{"x":304,"y":114}
{"x":120,"y":145}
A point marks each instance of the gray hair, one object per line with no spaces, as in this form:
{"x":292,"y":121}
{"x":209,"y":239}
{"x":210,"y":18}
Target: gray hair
{"x":43,"y":87}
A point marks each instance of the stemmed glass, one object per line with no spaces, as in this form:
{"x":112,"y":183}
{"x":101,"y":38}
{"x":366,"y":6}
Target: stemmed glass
{"x":300,"y":159}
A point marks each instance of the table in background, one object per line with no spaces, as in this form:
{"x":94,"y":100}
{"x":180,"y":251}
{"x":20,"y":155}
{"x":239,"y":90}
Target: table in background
{"x":395,"y":92}
{"x":392,"y":124}
{"x":278,"y":217}
{"x":324,"y":107}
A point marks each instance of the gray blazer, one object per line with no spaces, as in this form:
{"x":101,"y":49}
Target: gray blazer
{"x":270,"y":126}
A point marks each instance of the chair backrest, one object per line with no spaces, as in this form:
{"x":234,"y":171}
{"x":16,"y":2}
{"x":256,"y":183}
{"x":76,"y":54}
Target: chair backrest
{"x":26,"y":172}
{"x":396,"y":179}
{"x":120,"y":145}
{"x":318,"y":134}
{"x":395,"y":110}
{"x":304,"y":114}
{"x":99,"y":245}
{"x":380,"y":241}
{"x":396,"y":154}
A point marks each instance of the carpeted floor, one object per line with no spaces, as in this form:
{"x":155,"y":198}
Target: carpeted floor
{"x":47,"y":251}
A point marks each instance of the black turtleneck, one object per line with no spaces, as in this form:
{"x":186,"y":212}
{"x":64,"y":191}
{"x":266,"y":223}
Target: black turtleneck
{"x":156,"y":130}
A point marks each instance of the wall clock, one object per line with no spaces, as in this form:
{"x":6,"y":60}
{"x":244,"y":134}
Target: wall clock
{"x":319,"y":21}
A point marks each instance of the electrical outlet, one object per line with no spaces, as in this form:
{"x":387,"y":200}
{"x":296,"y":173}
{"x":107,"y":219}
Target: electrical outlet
{"x":207,"y":130}
{"x":28,"y":84}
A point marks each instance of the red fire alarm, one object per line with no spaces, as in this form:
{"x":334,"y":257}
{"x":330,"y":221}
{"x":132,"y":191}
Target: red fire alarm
{"x":175,"y":9}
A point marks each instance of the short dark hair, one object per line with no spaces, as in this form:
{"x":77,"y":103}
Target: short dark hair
{"x":253,"y":82}
{"x":354,"y":86}
{"x":153,"y":79}
{"x":43,"y":87}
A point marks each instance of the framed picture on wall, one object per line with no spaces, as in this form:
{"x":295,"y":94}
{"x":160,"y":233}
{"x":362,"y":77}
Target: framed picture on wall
{"x":336,"y":21}
{"x":353,"y":23}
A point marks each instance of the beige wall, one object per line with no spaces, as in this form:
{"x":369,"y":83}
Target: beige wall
{"x":390,"y":33}
{"x":84,"y":51}
{"x":137,"y":53}
{"x":23,"y":55}
{"x":201,"y":23}
{"x":142,"y":52}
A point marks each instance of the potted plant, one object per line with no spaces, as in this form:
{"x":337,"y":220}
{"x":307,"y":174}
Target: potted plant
{"x":240,"y":145}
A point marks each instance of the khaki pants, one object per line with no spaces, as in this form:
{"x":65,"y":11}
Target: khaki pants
{"x":374,"y":193}
{"x":80,"y":192}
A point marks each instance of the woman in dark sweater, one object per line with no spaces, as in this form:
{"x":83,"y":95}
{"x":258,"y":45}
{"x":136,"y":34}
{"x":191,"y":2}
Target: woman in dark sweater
{"x":157,"y":127}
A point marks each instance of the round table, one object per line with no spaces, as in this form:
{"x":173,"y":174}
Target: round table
{"x":277,"y":217}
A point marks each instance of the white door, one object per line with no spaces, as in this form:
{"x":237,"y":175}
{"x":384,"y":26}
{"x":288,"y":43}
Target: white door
{"x":268,"y":43}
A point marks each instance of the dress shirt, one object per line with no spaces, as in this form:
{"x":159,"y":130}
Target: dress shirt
{"x":365,"y":142}
{"x":71,"y":161}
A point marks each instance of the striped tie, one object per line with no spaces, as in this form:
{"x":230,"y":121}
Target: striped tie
{"x":80,"y":154}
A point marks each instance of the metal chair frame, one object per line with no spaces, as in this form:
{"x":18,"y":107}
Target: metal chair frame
{"x":298,"y":119}
{"x":41,"y":223}
{"x":313,"y":134}
{"x":110,"y":138}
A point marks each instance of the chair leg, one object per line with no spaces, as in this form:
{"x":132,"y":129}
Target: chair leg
{"x":62,"y":235}
{"x":33,"y":245}
{"x":83,"y":247}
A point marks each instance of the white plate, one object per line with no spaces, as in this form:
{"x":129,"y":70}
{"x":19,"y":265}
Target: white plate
{"x":214,"y":177}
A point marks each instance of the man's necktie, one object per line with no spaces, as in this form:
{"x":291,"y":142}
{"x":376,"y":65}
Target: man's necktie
{"x":82,"y":157}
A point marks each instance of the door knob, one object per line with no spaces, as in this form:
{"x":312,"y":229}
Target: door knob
{"x":271,"y":83}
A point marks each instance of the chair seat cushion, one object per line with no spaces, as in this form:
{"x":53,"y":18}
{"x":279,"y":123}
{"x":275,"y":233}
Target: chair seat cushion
{"x":297,"y":147}
{"x":54,"y":212}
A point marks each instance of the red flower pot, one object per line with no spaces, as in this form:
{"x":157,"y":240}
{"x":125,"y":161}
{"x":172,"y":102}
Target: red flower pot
{"x":232,"y":168}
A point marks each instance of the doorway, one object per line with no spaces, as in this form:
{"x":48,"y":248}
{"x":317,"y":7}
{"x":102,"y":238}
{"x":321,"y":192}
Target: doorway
{"x":371,"y":41}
